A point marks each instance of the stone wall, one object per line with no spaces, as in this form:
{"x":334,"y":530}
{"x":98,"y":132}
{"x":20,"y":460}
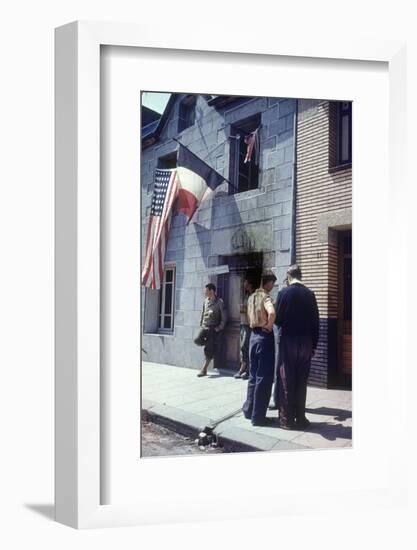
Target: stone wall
{"x":251,"y":221}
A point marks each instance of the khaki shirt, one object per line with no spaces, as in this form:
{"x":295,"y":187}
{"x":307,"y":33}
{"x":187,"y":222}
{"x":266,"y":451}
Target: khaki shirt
{"x":213,"y":314}
{"x":259,"y":306}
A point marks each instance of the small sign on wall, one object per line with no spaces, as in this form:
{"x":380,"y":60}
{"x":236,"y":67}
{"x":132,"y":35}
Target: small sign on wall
{"x":217,"y":270}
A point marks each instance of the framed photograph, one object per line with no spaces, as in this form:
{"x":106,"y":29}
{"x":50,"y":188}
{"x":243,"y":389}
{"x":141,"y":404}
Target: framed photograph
{"x":220,"y":210}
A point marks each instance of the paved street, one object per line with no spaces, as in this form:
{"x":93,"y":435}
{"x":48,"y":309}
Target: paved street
{"x":159,"y":441}
{"x":175,"y":396}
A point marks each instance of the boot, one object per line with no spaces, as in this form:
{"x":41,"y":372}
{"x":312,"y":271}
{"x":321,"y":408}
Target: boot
{"x":203,"y":371}
{"x":242,"y":371}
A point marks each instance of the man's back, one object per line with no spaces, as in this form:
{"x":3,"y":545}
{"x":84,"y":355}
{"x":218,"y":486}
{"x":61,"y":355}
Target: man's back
{"x":297,"y":312}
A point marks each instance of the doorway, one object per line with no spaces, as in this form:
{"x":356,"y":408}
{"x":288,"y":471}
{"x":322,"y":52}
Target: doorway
{"x":230,"y":289}
{"x":344,"y":336}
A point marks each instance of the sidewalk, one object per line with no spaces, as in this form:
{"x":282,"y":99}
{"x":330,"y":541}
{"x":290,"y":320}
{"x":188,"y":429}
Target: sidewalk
{"x":175,"y":397}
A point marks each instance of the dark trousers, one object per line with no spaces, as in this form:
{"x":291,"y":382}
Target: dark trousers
{"x":293,"y":369}
{"x":261,"y":374}
{"x":211,"y":340}
{"x":244,"y":344}
{"x":275,"y":390}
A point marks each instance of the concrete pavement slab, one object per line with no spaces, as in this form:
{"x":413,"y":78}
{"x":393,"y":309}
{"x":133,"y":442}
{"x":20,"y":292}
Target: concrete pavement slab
{"x":175,"y":397}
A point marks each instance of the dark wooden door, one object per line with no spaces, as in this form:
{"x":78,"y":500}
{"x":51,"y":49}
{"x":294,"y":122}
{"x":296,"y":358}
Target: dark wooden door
{"x":230,"y":289}
{"x":345,"y":308}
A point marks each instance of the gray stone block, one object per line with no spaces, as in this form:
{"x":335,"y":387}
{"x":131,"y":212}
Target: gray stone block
{"x":282,"y":195}
{"x":272,"y":129}
{"x":252,"y":107}
{"x":283,"y":258}
{"x":196,"y":251}
{"x":200,"y":264}
{"x":220,"y":211}
{"x":184,"y":333}
{"x":179,"y":317}
{"x":274,"y":159}
{"x":175,"y":243}
{"x":269,"y":260}
{"x":268,"y":176}
{"x":192,"y":318}
{"x":184,"y":299}
{"x":287,"y":207}
{"x":266,"y":199}
{"x":284,"y":171}
{"x":269,"y":144}
{"x":189,"y":265}
{"x":190,"y":237}
{"x":221,"y":135}
{"x":285,"y":239}
{"x":174,"y":255}
{"x":282,"y":125}
{"x":243,"y":205}
{"x":285,"y":139}
{"x":289,"y":153}
{"x":277,"y":240}
{"x":229,"y":220}
{"x":272,"y":211}
{"x":256,"y":214}
{"x":272,"y":113}
{"x":282,"y":222}
{"x":220,"y":162}
{"x":287,"y":106}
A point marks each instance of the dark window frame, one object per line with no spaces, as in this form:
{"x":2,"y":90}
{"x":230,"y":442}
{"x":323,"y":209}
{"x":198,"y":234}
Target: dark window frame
{"x":161,"y":321}
{"x":187,"y":112}
{"x":238,"y":171}
{"x":344,"y":109}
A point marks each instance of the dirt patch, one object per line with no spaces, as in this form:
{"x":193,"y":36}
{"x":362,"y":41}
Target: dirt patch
{"x":159,"y":441}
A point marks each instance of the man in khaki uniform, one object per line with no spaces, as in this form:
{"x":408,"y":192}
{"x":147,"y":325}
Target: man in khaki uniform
{"x":212,"y":322}
{"x":261,"y":314}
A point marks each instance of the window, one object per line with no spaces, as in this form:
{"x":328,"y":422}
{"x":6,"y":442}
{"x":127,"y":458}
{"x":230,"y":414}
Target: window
{"x":340,"y":134}
{"x":243,"y":176}
{"x":168,"y":161}
{"x":165,"y":162}
{"x":166,"y":301}
{"x":344,"y":132}
{"x":187,"y":112}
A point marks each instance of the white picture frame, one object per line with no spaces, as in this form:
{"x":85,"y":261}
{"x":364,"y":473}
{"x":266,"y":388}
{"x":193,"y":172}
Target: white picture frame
{"x":79,"y":410}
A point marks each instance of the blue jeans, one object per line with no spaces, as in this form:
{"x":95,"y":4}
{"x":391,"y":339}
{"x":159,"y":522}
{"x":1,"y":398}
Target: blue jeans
{"x":261,"y":374}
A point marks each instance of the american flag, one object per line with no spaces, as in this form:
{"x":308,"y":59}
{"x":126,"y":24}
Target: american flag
{"x":164,"y":194}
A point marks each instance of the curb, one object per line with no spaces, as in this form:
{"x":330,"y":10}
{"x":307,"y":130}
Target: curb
{"x":230,"y":438}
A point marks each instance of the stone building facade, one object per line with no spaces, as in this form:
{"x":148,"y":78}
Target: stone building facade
{"x":247,"y":227}
{"x":295,"y":205}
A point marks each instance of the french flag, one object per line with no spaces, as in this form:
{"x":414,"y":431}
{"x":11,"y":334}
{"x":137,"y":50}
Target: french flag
{"x":196,"y":181}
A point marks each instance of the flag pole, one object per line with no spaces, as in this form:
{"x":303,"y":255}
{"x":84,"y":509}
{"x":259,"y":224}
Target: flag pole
{"x":226,"y":180}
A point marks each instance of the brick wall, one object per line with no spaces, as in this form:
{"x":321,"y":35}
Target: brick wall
{"x":324,"y":199}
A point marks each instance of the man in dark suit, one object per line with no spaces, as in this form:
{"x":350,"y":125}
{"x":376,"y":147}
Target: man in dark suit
{"x":297,"y":318}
